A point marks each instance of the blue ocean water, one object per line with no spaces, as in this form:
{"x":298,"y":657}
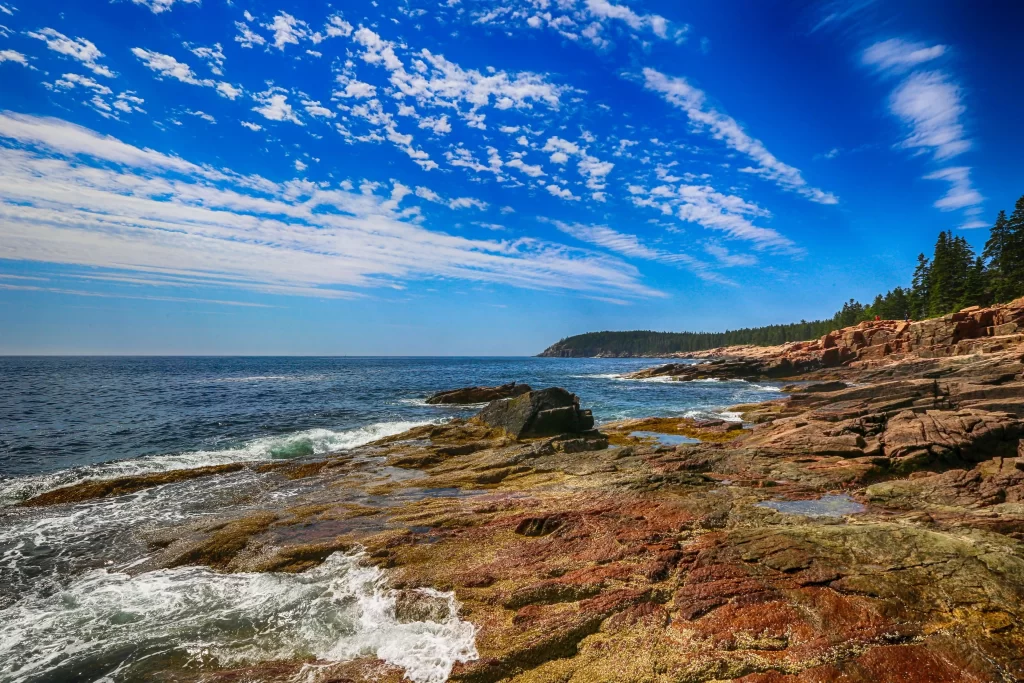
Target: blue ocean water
{"x":60,"y":413}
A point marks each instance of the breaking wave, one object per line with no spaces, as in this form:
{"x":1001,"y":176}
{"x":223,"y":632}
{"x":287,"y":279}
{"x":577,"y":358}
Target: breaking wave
{"x":311,"y":442}
{"x":194,"y":617}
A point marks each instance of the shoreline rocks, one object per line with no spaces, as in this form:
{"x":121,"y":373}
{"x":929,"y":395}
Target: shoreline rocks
{"x":470,"y":395}
{"x":584,"y":555}
{"x":547,"y":412}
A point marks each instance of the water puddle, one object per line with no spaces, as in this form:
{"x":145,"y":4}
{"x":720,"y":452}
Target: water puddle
{"x":827,"y":506}
{"x":665,"y":439}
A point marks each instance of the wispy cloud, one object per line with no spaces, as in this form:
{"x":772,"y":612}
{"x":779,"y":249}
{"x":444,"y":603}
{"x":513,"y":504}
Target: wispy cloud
{"x":678,"y":92}
{"x":896,"y":55}
{"x":705,"y":206}
{"x":961,"y":193}
{"x":80,"y":49}
{"x":70,"y":196}
{"x":631,"y":246}
{"x":929,"y":103}
{"x":167,"y":66}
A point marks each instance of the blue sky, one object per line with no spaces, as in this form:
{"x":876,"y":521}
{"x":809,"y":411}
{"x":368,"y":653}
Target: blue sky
{"x":475,"y":177}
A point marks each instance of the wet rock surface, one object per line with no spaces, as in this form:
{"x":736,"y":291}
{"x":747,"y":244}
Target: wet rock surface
{"x":872,"y":531}
{"x":470,"y":395}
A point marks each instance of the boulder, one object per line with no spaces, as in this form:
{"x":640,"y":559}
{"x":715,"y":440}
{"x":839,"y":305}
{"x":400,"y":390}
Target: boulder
{"x":547,"y":412}
{"x":468,"y":395}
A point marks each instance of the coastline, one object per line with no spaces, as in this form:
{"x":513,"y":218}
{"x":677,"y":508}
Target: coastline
{"x":869,"y":522}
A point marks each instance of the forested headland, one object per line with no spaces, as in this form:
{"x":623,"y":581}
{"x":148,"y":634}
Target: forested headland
{"x":955,"y":277}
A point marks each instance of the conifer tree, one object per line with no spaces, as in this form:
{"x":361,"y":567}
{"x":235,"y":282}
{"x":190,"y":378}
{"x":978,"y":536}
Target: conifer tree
{"x":919,"y":288}
{"x":995,"y":248}
{"x":974,"y":288}
{"x":1013,"y":253}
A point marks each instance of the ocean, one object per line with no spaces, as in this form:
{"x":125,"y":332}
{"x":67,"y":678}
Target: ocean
{"x":74,"y":606}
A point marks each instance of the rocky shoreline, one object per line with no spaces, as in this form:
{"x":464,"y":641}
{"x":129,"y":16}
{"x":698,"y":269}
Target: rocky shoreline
{"x":868,"y":527}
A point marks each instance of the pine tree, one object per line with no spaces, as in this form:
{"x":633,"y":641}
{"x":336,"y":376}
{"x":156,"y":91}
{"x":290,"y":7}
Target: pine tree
{"x":1013,"y":253}
{"x":994,"y":255}
{"x":974,"y":288}
{"x":919,"y":288}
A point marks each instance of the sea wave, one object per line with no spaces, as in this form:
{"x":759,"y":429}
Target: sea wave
{"x":196,"y":617}
{"x":422,"y":402}
{"x":310,"y":442}
{"x":264,"y":378}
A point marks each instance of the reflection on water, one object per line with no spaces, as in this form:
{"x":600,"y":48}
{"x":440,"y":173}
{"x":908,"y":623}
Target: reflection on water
{"x":827,"y":506}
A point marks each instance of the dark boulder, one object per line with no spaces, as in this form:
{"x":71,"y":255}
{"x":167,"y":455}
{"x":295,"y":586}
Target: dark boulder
{"x":468,"y":395}
{"x":547,"y":412}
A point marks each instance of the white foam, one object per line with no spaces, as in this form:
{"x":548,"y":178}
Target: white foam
{"x":338,"y":611}
{"x":308,"y":442}
{"x":727,"y":415}
{"x":422,"y":402}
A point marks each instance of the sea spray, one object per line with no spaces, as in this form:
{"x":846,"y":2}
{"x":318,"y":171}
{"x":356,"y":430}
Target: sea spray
{"x":309,"y":442}
{"x":194,"y":617}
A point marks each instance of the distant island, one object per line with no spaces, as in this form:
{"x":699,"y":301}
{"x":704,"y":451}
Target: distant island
{"x":953,"y":279}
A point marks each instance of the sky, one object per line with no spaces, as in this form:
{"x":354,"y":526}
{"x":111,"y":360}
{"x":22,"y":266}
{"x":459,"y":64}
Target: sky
{"x":482,"y":177}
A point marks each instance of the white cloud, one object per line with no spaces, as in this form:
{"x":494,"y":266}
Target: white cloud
{"x":606,"y":10}
{"x":896,"y":55}
{"x":202,"y":115}
{"x":439,"y":125}
{"x":251,"y":126}
{"x":99,"y":98}
{"x":467,"y":203}
{"x":69,"y":81}
{"x":705,"y":206}
{"x":274,"y":106}
{"x":728,"y":258}
{"x":561,"y":192}
{"x":287,"y":30}
{"x":590,"y":167}
{"x":338,"y":27}
{"x":300,"y":166}
{"x":631,"y":246}
{"x":158,"y":6}
{"x":929,"y":103}
{"x":167,"y":66}
{"x":76,"y":48}
{"x":213,"y":56}
{"x":595,"y":171}
{"x":961,"y":193}
{"x":227,"y":90}
{"x":556,"y":144}
{"x":678,"y":92}
{"x":316,"y":110}
{"x":581,"y":21}
{"x":436,"y":81}
{"x":246,"y":36}
{"x":13,"y":56}
{"x":70,"y":196}
{"x":428,"y":194}
{"x":534,"y":171}
{"x":357,"y":90}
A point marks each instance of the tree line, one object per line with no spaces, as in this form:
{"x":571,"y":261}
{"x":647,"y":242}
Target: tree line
{"x":953,"y":278}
